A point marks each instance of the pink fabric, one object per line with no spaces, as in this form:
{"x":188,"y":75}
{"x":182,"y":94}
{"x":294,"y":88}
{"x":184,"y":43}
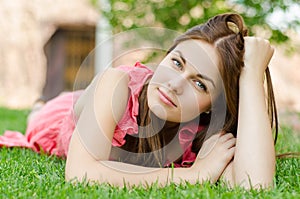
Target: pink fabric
{"x":128,"y":123}
{"x":186,"y":137}
{"x":51,"y":130}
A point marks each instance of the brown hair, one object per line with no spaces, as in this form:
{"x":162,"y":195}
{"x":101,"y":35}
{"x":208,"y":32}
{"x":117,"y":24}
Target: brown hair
{"x":226,"y":33}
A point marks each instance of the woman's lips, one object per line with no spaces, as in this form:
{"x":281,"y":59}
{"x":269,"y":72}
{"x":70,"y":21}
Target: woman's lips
{"x":165,"y":98}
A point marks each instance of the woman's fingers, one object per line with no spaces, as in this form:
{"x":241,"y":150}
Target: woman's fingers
{"x":227,"y":141}
{"x":227,"y":145}
{"x":230,"y":153}
{"x":225,"y":137}
{"x":230,"y":143}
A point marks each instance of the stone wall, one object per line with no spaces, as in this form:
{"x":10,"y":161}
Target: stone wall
{"x":25,"y":27}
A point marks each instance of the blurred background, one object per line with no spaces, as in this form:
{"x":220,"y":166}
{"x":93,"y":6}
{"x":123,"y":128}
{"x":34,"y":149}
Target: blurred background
{"x":43,"y":44}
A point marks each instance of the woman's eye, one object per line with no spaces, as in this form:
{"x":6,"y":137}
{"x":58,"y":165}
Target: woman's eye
{"x":177,"y":63}
{"x":200,"y":85}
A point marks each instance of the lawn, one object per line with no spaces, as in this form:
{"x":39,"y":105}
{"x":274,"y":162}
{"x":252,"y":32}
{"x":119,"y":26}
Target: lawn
{"x":25,"y":174}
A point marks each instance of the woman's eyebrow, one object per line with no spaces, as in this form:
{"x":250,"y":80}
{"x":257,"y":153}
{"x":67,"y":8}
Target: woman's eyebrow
{"x":181,"y":56}
{"x":206,"y":78}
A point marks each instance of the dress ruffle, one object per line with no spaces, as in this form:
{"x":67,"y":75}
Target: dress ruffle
{"x":138,"y":75}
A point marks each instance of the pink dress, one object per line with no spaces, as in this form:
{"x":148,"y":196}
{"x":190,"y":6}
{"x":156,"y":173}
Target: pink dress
{"x":50,"y":131}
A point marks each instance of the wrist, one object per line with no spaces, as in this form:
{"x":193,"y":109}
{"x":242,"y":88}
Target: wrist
{"x":181,"y":175}
{"x":201,"y":174}
{"x":251,"y":74}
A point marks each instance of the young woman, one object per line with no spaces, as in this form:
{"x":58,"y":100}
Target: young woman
{"x":201,"y":115}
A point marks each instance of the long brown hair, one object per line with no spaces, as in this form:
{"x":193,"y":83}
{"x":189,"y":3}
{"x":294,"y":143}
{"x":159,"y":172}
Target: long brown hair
{"x":226,"y":32}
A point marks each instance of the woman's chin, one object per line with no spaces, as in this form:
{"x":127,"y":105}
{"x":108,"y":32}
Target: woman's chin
{"x":159,"y":111}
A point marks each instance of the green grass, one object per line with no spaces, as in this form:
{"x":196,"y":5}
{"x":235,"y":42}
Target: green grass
{"x":25,"y":174}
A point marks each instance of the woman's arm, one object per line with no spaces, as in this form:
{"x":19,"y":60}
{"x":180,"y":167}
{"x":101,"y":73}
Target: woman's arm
{"x":82,"y":166}
{"x":254,"y":159}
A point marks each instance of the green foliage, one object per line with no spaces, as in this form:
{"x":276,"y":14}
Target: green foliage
{"x":26,"y":174}
{"x":180,"y":15}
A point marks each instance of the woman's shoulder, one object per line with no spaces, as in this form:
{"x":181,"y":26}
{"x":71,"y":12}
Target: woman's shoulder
{"x":116,"y":82}
{"x":113,"y":73}
{"x":136,"y":70}
{"x":125,"y":73}
{"x":102,"y":86}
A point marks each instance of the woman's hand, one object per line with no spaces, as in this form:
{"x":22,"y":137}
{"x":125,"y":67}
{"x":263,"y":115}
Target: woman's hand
{"x":258,"y":53}
{"x":215,"y":155}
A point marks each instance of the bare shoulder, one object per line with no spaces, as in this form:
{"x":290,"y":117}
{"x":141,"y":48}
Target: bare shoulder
{"x":111,"y":91}
{"x":102,"y":106}
{"x":112,"y":78}
{"x":111,"y":81}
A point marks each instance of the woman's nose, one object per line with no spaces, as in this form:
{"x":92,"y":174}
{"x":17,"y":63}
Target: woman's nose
{"x":177,"y":85}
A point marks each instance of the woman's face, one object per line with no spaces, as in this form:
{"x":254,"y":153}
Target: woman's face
{"x":185,"y":82}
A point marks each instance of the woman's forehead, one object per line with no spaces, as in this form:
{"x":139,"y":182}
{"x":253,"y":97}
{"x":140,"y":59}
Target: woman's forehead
{"x":201,"y":55}
{"x":198,"y":53}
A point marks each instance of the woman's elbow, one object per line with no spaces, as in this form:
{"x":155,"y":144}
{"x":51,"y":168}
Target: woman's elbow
{"x":73,"y":173}
{"x":256,"y":182}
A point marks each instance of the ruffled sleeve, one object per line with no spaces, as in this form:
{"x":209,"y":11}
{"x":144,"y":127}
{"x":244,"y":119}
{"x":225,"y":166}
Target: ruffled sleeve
{"x":138,"y":75}
{"x":186,"y":136}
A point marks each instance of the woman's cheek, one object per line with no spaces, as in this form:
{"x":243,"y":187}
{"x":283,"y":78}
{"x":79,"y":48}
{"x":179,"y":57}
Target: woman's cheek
{"x":190,"y":106}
